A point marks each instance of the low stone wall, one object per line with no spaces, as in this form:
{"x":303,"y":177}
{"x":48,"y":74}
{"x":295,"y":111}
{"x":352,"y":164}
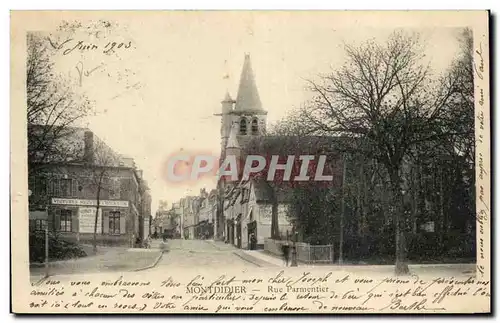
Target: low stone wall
{"x":122,"y":240}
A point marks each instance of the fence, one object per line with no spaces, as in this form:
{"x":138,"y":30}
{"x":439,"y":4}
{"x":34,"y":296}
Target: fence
{"x":305,"y":252}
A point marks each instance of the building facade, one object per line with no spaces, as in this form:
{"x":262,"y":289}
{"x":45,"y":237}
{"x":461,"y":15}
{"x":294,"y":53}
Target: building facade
{"x":71,"y":198}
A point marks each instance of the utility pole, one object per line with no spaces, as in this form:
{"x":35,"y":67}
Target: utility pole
{"x":294,"y":247}
{"x":47,"y":251}
{"x":47,"y":242}
{"x":342,"y":210}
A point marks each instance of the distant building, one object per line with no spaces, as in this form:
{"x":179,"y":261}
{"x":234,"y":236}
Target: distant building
{"x":206,"y":218}
{"x":167,"y":221}
{"x":145,"y":218}
{"x":190,"y":206}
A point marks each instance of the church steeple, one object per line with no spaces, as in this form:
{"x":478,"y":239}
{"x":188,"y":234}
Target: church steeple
{"x":248,"y":97}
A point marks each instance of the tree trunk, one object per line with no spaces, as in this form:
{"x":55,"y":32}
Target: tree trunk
{"x":401,"y":266}
{"x":94,"y":242}
{"x":275,"y":231}
{"x":342,"y":212}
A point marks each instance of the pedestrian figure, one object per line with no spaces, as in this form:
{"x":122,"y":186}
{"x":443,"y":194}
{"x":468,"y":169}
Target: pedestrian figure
{"x":253,"y":241}
{"x":285,"y":248}
{"x":147,"y":242}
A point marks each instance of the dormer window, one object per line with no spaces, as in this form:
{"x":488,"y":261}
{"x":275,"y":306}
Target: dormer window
{"x":255,"y":127}
{"x":243,"y":126}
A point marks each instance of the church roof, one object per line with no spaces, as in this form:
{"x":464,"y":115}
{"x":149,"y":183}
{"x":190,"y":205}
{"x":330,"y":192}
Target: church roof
{"x":248,"y":97}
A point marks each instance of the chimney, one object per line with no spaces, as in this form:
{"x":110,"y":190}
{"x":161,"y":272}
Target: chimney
{"x":88,"y":147}
{"x":127,"y":161}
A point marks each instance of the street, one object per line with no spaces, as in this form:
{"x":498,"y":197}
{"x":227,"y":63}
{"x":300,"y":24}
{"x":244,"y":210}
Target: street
{"x":199,"y":253}
{"x":218,"y":255}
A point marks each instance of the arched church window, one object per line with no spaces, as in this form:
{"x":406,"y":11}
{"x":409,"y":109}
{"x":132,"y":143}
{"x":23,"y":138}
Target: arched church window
{"x":243,"y":126}
{"x":255,"y":127}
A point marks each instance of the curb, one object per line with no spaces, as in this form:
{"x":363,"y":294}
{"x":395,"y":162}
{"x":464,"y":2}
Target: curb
{"x":257,"y":262}
{"x":153,"y":265}
{"x":246,"y":258}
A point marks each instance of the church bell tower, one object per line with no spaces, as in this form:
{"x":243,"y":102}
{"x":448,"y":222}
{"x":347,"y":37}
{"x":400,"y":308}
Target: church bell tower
{"x":245,"y":115}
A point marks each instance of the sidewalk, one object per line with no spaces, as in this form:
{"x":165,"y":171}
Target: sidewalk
{"x":108,"y":259}
{"x":264,"y":259}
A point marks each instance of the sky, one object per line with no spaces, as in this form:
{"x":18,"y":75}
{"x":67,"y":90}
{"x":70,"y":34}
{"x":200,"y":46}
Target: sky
{"x":159,"y":91}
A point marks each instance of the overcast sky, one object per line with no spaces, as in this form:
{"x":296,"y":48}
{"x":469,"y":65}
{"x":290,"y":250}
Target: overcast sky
{"x":160,"y":94}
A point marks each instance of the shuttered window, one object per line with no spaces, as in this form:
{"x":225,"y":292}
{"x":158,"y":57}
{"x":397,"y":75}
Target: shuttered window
{"x":123,"y":224}
{"x":105,"y":222}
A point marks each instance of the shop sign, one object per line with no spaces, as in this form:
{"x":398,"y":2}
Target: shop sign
{"x":80,"y":202}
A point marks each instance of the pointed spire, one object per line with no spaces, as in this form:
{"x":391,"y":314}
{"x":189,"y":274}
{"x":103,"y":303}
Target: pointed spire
{"x":248,"y":97}
{"x":227,"y":103}
{"x":227,"y":97}
{"x":232,"y":142}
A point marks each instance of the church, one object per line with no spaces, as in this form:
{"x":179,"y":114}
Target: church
{"x":352,"y":212}
{"x":245,"y":207}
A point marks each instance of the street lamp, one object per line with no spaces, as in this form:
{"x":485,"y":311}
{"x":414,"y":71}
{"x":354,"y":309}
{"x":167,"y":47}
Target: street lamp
{"x":46,"y":222}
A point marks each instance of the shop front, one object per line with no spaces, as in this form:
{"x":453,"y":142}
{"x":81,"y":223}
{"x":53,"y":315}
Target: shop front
{"x":78,"y":219}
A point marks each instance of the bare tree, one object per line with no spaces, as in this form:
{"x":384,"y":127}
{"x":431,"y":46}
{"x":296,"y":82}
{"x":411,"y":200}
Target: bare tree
{"x":385,"y":99}
{"x":52,"y":107}
{"x":103,"y":165}
{"x":459,"y":114}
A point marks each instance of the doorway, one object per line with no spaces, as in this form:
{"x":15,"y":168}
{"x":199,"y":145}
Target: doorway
{"x":252,"y":235}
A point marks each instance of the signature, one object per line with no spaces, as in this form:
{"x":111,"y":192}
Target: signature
{"x":399,"y":304}
{"x":82,"y":72}
{"x":479,"y":68}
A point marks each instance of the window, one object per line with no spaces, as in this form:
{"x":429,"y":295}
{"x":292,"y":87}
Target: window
{"x":66,"y":187}
{"x":39,"y":225}
{"x":57,"y":187}
{"x":40,"y":186}
{"x":255,"y":127}
{"x":66,"y":220}
{"x":114,"y":188}
{"x":114,"y":222}
{"x":243,"y":126}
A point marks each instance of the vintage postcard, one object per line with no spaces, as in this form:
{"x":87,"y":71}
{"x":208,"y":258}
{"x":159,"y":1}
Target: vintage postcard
{"x":250,"y":162}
